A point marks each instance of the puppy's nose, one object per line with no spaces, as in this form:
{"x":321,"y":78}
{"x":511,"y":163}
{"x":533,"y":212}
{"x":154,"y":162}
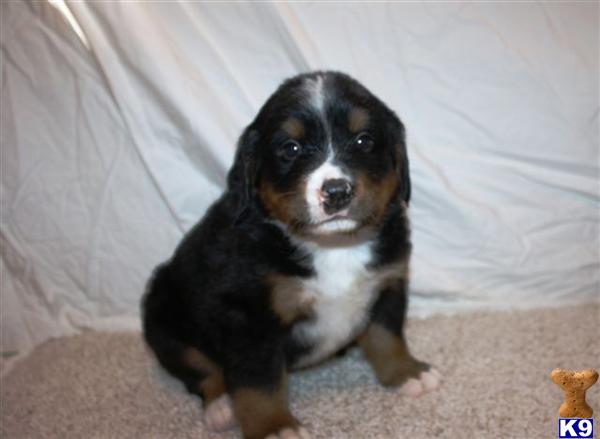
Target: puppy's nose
{"x":337,"y":194}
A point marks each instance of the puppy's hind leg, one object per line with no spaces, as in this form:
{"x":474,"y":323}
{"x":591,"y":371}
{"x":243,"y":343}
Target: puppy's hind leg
{"x":258,"y":384}
{"x":200,"y":375}
{"x":218,"y":409}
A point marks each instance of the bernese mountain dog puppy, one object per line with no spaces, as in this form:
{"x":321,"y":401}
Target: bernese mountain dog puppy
{"x":305,"y":254}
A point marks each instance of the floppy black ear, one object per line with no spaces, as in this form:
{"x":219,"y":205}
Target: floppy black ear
{"x":397,"y":137}
{"x":243,"y":173}
{"x":404,"y":172}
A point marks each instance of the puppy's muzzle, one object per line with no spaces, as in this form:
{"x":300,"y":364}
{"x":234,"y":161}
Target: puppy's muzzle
{"x":336,"y":194}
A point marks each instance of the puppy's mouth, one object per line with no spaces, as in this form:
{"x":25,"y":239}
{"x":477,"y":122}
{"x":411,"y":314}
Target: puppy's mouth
{"x":338,"y":222}
{"x":342,"y":214}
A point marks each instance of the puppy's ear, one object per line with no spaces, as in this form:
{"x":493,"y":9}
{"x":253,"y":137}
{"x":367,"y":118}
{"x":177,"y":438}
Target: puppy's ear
{"x":242,"y":176}
{"x":397,"y":136}
{"x":404,"y":171}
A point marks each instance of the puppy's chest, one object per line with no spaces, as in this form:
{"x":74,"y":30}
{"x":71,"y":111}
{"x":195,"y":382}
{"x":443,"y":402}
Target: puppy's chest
{"x":339,"y":297}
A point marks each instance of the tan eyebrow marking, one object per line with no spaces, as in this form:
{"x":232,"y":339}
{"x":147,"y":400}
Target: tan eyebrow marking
{"x":293,"y":127}
{"x":358,"y":119}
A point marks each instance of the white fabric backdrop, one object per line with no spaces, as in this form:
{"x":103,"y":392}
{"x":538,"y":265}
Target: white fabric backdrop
{"x":110,"y":154}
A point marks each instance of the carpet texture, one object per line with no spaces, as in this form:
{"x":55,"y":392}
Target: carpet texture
{"x":496,"y":385}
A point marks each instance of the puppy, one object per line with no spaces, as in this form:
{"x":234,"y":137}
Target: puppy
{"x":305,"y":254}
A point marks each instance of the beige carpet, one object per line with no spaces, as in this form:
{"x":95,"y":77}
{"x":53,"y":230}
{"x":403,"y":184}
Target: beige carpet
{"x":496,"y":385}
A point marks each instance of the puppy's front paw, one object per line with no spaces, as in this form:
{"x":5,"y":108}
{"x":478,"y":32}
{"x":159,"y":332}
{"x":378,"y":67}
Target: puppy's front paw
{"x":218,"y":414}
{"x":426,"y":381}
{"x":291,"y":433}
{"x":412,"y":377}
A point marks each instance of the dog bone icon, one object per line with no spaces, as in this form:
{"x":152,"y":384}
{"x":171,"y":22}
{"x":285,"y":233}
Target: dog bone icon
{"x":574,"y":384}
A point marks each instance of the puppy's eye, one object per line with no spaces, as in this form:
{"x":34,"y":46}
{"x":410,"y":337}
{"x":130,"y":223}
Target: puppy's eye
{"x":289,"y":150}
{"x":364,"y":142}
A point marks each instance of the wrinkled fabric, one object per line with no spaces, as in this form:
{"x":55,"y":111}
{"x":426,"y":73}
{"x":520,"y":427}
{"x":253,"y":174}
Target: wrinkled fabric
{"x":109,"y":155}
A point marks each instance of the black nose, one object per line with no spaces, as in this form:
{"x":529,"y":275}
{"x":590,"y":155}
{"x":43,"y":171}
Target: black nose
{"x":337,"y":194}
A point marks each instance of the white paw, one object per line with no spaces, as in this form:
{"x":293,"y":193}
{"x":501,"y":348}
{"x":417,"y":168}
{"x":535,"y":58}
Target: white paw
{"x":426,"y":382}
{"x":218,"y":414}
{"x":290,"y":433}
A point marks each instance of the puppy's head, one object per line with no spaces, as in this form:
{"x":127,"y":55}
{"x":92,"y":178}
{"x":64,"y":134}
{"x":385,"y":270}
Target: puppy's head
{"x":323,"y":156}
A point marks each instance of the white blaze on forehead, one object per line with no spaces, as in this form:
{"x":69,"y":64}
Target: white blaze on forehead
{"x":315,"y":181}
{"x":315,"y":87}
{"x":316,"y":92}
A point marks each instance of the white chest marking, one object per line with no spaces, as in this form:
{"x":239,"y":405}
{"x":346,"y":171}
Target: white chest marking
{"x":343,"y":294}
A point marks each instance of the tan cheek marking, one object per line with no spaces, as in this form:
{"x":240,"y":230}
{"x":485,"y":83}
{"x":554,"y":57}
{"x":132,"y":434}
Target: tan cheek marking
{"x":285,"y":207}
{"x":212,"y":386}
{"x":276,"y":203}
{"x":358,"y":120}
{"x":288,"y":298}
{"x":388,"y":187}
{"x":294,"y":128}
{"x":386,"y":352}
{"x":377,"y":195}
{"x":262,"y":413}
